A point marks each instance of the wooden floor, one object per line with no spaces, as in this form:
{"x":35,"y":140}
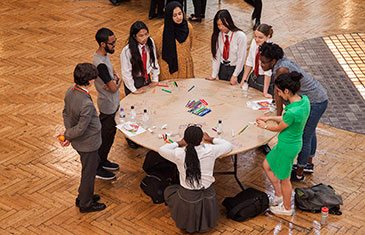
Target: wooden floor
{"x":40,"y":44}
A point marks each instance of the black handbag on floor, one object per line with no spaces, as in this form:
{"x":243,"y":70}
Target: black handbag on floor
{"x":160,"y":174}
{"x":246,"y":204}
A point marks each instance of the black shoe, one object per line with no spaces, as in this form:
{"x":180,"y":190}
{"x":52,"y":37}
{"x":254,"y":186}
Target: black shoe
{"x":115,"y":2}
{"x":110,"y":166}
{"x":295,"y":177}
{"x":95,"y":206}
{"x":265,"y":148}
{"x":152,"y":16}
{"x":309,"y":168}
{"x":201,"y":16}
{"x":160,"y":16}
{"x":96,"y":198}
{"x":195,"y":19}
{"x":104,"y":174}
{"x":256,"y":25}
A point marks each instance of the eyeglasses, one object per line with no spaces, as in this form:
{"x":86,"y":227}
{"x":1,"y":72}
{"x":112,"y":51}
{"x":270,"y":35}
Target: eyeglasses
{"x":112,"y":43}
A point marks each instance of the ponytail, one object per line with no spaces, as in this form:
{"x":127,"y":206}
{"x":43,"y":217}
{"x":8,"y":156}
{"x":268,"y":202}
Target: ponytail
{"x":193,"y":136}
{"x":192,"y":166}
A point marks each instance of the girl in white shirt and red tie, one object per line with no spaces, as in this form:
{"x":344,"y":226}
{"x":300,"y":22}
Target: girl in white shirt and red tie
{"x":193,"y":204}
{"x":138,"y":60}
{"x":258,"y":79}
{"x":228,"y":46}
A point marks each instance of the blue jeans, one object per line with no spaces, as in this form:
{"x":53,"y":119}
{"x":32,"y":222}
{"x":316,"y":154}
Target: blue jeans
{"x":309,"y":134}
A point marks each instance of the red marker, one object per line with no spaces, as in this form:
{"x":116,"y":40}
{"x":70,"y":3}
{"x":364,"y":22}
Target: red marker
{"x":204,"y":102}
{"x":163,"y":85}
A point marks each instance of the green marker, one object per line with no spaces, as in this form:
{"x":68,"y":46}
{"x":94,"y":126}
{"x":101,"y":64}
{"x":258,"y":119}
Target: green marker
{"x":167,"y":91}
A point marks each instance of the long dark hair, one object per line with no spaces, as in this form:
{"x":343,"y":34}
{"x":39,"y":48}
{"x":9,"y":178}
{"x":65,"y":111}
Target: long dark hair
{"x":227,"y":21}
{"x":136,"y":59}
{"x":193,"y":136}
{"x":290,"y":81}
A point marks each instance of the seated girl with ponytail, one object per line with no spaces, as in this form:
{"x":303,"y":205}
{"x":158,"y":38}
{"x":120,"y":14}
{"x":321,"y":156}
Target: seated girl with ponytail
{"x":193,"y":204}
{"x":278,"y":163}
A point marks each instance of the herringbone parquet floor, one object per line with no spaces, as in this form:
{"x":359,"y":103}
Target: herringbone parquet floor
{"x":40,"y":44}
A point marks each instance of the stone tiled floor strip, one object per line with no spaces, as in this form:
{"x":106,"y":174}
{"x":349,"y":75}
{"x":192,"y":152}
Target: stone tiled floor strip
{"x":338,"y":63}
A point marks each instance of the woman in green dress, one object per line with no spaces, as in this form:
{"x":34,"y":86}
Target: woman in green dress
{"x":278,"y":163}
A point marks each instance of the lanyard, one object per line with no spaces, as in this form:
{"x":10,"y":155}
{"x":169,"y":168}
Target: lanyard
{"x":80,"y":89}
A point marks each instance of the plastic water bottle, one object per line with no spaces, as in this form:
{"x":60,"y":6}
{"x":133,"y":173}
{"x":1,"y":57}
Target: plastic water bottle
{"x":324,"y":216}
{"x":121,"y":116}
{"x":132,"y":114}
{"x":145,"y":118}
{"x":245,"y":89}
{"x":219,"y":128}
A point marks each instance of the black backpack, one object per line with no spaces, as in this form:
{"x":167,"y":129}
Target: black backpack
{"x":160,"y":174}
{"x":246,"y":204}
{"x":313,"y":198}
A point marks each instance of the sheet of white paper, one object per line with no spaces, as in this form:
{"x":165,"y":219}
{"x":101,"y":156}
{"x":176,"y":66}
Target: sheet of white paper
{"x":128,"y":128}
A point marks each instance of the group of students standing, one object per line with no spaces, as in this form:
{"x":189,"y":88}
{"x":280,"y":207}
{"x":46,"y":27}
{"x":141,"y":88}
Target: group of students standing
{"x":193,"y":204}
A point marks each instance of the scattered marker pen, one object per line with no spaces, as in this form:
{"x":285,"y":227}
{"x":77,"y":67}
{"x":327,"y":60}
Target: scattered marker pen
{"x":191,"y":88}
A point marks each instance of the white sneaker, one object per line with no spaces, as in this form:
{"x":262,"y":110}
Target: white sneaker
{"x":245,"y":86}
{"x":276,"y":201}
{"x":280,"y":210}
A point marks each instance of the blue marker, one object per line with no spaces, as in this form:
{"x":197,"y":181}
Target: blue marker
{"x":191,"y":88}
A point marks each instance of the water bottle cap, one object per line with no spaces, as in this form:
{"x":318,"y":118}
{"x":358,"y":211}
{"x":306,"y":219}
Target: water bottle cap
{"x":145,"y":110}
{"x":132,"y":107}
{"x":324,"y":209}
{"x":219,"y":121}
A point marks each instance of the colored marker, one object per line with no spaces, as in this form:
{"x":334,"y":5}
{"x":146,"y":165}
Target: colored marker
{"x":187,"y":103}
{"x":176,"y":84}
{"x":171,"y":141}
{"x":214,"y":129}
{"x":206,"y":112}
{"x":232,"y":132}
{"x":154,"y":91}
{"x":163,"y":85}
{"x":191,"y":88}
{"x":167,"y":91}
{"x":204,"y":102}
{"x":243,"y":129}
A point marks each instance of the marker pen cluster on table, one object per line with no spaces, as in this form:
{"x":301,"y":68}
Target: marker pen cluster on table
{"x":198,"y":107}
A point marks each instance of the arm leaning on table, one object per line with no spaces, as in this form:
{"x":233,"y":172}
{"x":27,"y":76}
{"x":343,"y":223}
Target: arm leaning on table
{"x":278,"y":127}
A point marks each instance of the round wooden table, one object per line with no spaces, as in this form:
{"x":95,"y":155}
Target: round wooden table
{"x":227,"y":103}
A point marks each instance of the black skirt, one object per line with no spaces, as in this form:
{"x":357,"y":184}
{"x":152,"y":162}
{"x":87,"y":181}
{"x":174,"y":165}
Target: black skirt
{"x":192,"y":210}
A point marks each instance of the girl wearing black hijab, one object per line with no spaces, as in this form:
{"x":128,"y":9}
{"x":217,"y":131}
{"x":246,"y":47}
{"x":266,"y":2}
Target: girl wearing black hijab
{"x":173,"y":43}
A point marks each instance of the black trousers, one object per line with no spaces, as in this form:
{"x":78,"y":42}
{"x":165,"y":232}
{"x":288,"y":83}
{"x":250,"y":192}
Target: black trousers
{"x":226,"y":72}
{"x":108,"y":131}
{"x":160,"y":4}
{"x":89,"y":162}
{"x":257,"y":4}
{"x":199,"y":8}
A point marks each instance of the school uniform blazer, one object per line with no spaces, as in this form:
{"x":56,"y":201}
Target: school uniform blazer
{"x":83,"y":128}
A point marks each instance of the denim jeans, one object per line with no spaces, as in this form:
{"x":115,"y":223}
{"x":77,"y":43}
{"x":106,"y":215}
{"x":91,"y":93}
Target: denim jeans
{"x":309,"y":134}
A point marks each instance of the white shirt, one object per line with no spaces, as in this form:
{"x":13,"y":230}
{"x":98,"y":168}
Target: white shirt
{"x":251,"y":59}
{"x":207,"y":153}
{"x":237,"y":52}
{"x":125,"y":60}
